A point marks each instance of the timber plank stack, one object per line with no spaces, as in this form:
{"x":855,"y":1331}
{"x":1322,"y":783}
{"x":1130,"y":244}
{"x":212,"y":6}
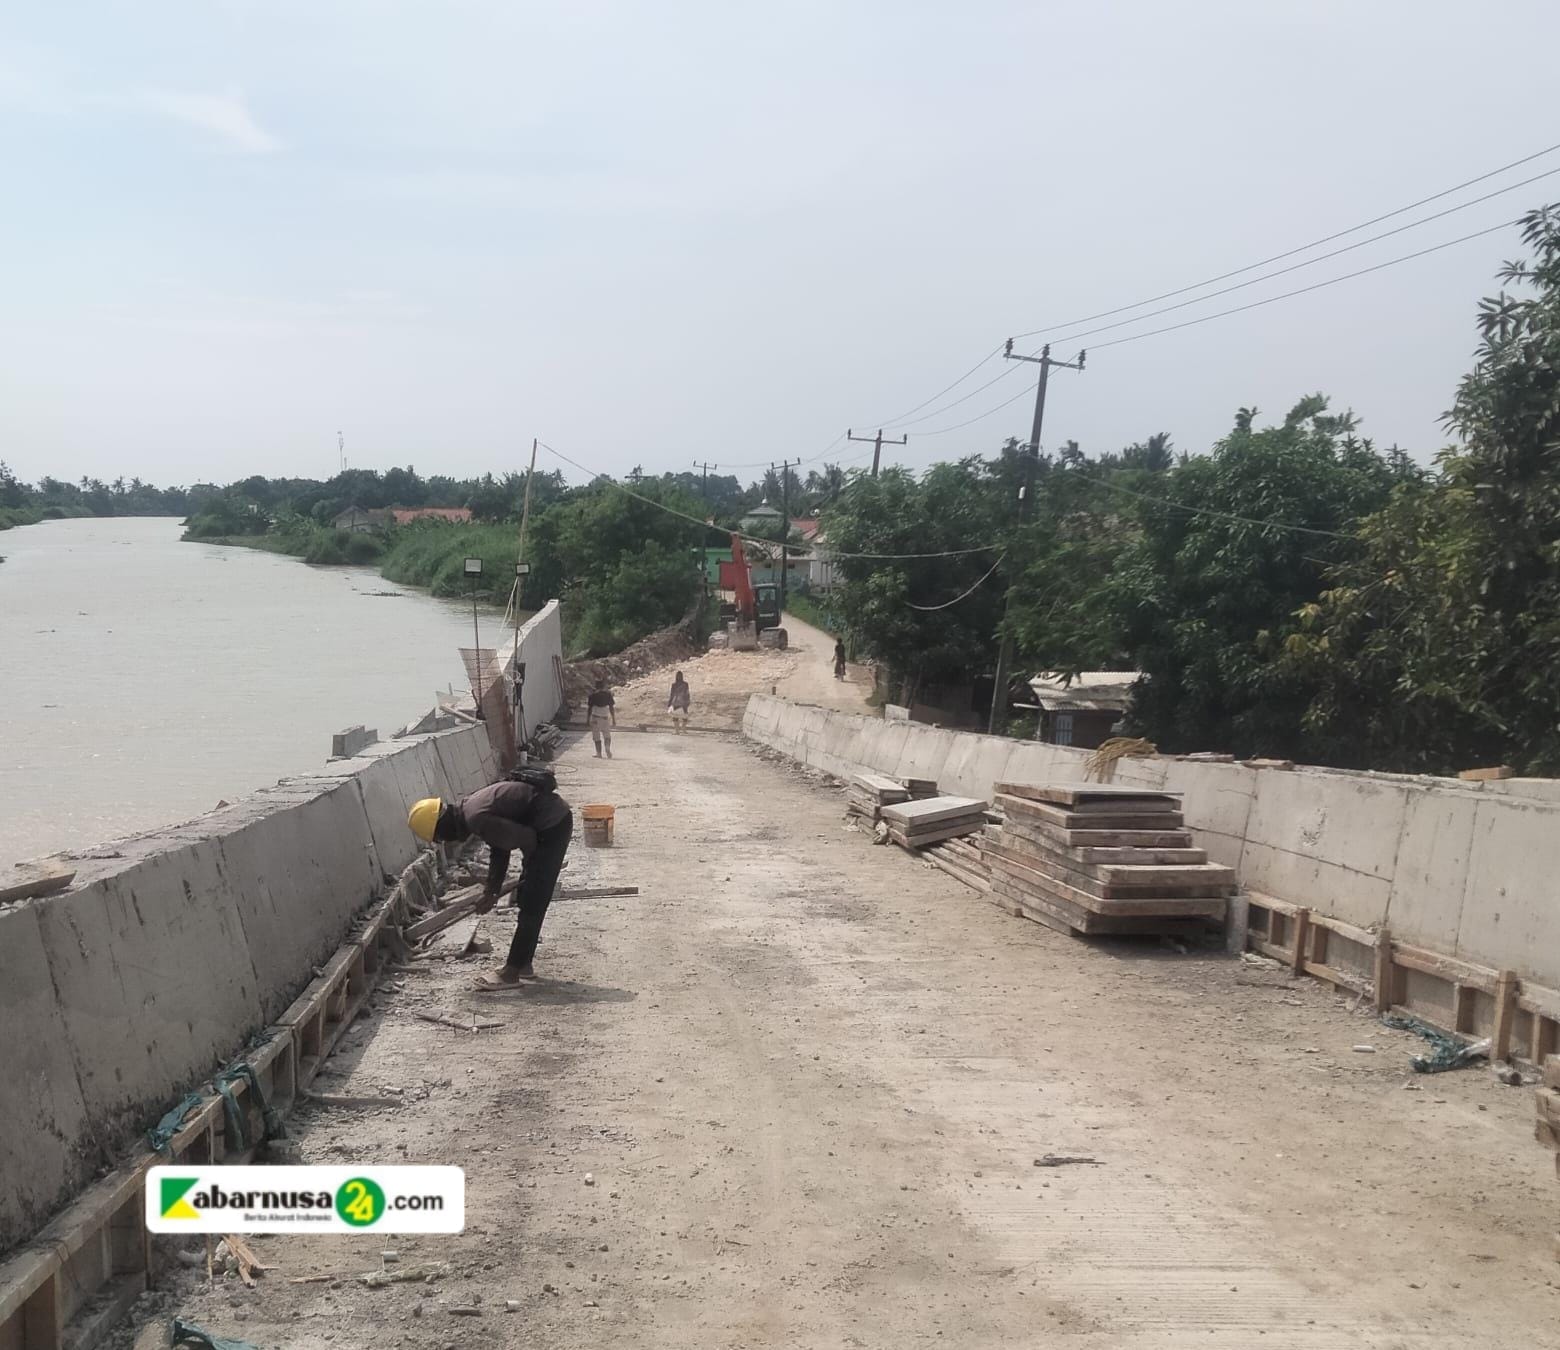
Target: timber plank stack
{"x":1097,"y":858}
{"x":917,"y":824}
{"x":964,"y":860}
{"x":869,"y":793}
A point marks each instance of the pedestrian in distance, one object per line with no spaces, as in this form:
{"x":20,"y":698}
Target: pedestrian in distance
{"x":601,"y":717}
{"x":678,"y":704}
{"x":530,"y":817}
{"x":839,"y":658}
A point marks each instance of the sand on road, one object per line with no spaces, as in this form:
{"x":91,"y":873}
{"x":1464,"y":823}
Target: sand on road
{"x":794,"y":1092}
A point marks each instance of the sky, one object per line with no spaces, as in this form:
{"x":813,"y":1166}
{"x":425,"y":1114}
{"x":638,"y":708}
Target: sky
{"x":659,"y":234}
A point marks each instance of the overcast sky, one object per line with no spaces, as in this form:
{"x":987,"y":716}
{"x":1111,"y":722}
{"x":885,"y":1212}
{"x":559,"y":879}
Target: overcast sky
{"x":656,"y":233}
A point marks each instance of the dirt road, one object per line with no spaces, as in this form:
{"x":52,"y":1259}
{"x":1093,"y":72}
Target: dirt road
{"x":723,"y":681}
{"x":793,"y":1094}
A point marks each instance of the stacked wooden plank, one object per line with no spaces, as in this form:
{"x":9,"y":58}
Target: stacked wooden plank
{"x":1097,"y":858}
{"x":869,"y":793}
{"x":1548,"y":1130}
{"x":963,"y":859}
{"x":915,"y":825}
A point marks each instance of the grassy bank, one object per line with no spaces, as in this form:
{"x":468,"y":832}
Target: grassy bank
{"x":12,"y":516}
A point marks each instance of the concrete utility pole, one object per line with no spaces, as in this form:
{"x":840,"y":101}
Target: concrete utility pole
{"x":705,"y":486}
{"x":785,"y":467}
{"x":1026,"y":493}
{"x":877,"y":444}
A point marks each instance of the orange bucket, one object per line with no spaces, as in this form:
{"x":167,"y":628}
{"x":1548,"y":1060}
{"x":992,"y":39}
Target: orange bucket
{"x":599,"y":820}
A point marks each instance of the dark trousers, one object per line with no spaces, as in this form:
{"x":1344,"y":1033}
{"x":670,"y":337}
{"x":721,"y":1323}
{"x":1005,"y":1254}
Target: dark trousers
{"x":537,"y":884}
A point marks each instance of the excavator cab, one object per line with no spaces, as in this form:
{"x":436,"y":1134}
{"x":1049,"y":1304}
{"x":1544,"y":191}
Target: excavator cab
{"x":766,"y":606}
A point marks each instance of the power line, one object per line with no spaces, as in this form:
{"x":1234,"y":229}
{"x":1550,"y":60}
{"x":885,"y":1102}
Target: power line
{"x":1305,"y":290}
{"x":1220,"y":515}
{"x":759,"y":539}
{"x":1237,"y":309}
{"x":932,"y":609}
{"x":890,"y":421}
{"x":1303,"y":248}
{"x":1295,"y":267}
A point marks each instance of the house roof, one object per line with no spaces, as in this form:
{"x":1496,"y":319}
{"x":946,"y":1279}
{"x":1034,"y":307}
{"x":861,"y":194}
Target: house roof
{"x":806,"y":526}
{"x":1089,"y":691}
{"x":763,"y":509}
{"x":405,"y":514}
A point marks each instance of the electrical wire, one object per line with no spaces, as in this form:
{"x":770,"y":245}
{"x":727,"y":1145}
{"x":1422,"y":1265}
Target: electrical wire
{"x":1289,"y":253}
{"x":1305,"y":290}
{"x":1216,"y":514}
{"x":1295,"y":267}
{"x":820,"y":549}
{"x":1237,"y":309}
{"x":932,"y":609}
{"x":894,"y":421}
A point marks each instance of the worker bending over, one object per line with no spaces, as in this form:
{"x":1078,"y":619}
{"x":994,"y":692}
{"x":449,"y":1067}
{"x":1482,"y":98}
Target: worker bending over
{"x":507,"y":816}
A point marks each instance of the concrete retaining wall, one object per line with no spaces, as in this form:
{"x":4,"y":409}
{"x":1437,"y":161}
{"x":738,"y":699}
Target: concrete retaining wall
{"x":160,"y":962}
{"x":1467,"y":869}
{"x":541,"y":648}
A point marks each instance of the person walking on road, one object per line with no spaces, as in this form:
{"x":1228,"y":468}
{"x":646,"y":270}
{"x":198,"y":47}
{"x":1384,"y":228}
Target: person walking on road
{"x":839,"y":658}
{"x":678,"y":703}
{"x":507,"y":816}
{"x":601,"y":717}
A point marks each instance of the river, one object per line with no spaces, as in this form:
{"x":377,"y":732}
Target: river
{"x":143,"y":679}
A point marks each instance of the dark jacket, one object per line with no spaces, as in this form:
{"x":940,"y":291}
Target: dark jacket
{"x":506,"y":816}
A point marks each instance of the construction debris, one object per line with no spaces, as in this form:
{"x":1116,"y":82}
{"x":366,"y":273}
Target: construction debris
{"x":916,"y":824}
{"x":27,"y":879}
{"x":1091,"y":858}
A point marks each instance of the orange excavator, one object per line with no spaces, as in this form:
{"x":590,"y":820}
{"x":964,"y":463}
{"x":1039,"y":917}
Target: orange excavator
{"x":753,"y":610}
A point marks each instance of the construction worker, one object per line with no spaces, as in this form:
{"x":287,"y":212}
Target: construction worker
{"x":601,"y":716}
{"x":678,"y":704}
{"x":507,"y":816}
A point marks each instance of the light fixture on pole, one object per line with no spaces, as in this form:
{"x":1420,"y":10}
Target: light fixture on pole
{"x":473,"y":572}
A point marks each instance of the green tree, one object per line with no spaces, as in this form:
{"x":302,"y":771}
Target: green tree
{"x":1435,"y":647}
{"x":1229,"y":547}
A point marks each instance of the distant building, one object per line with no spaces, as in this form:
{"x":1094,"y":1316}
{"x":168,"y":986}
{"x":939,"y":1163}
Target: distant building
{"x":356,"y":520}
{"x":818,"y":567}
{"x":1082,"y":711}
{"x":763,"y":520}
{"x":405,"y":515}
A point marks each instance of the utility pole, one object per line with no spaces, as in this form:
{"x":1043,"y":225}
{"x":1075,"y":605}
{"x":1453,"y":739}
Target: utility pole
{"x":1026,"y":493}
{"x":877,"y":444}
{"x":785,"y":467}
{"x":341,"y":451}
{"x":705,"y":486}
{"x":701,"y":538}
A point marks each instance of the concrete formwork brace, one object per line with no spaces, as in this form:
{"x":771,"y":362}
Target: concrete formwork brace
{"x":68,"y":1286}
{"x":1522,"y":1019}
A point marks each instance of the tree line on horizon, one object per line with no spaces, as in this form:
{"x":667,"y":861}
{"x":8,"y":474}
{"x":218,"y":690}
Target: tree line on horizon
{"x":1295,"y":591}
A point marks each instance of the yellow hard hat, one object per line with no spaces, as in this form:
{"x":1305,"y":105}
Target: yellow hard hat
{"x":423,"y":816}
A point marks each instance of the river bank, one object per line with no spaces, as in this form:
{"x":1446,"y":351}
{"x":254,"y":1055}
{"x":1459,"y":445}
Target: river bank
{"x":146,"y":679}
{"x":430,"y":556}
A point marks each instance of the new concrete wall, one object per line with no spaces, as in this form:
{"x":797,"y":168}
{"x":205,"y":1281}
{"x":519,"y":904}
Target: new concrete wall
{"x":541,"y":648}
{"x":1467,"y":869}
{"x":160,"y":962}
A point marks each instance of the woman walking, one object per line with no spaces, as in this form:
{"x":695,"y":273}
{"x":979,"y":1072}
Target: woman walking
{"x":677,"y":705}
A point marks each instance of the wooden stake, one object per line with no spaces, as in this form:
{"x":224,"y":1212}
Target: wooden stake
{"x":1505,"y":1014}
{"x":1302,"y":926}
{"x":1386,"y":972}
